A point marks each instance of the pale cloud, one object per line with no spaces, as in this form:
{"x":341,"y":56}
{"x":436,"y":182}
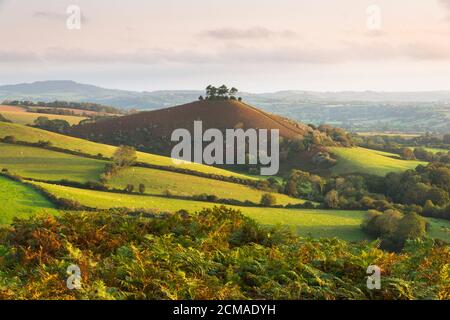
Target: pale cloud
{"x":246,"y":34}
{"x":56,"y":16}
{"x":239,"y":54}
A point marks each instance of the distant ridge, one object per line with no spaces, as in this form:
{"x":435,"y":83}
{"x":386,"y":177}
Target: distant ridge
{"x":408,"y":112}
{"x":74,"y":91}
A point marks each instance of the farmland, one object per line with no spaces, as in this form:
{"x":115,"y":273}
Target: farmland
{"x":161,"y":182}
{"x":38,"y":163}
{"x":24,"y":133}
{"x":361,"y":160}
{"x":318,"y":223}
{"x":21,"y":201}
{"x":24,"y":117}
{"x":344,"y":224}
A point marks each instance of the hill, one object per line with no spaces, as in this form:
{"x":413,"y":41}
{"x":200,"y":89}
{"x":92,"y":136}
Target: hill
{"x":29,"y":134}
{"x":363,"y":111}
{"x":233,"y":114}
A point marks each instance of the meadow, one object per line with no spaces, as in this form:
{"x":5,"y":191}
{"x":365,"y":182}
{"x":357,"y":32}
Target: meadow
{"x":23,"y":117}
{"x":42,"y":164}
{"x":161,"y":182}
{"x":28,"y":134}
{"x":362,"y":160}
{"x":306,"y":222}
{"x":344,"y":224}
{"x":21,"y":201}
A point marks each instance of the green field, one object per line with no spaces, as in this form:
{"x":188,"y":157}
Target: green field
{"x":24,"y":133}
{"x":158,"y":182}
{"x":42,"y":164}
{"x":23,"y":117}
{"x":38,"y":163}
{"x":19,"y":200}
{"x":439,"y":229}
{"x":317,"y":223}
{"x":361,"y":160}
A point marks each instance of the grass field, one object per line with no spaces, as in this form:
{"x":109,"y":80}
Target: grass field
{"x":361,"y":160}
{"x":344,"y":224}
{"x":19,"y":200}
{"x":317,"y":223}
{"x":158,"y":182}
{"x":439,"y":229}
{"x":23,"y":117}
{"x":37,"y":163}
{"x":24,"y":133}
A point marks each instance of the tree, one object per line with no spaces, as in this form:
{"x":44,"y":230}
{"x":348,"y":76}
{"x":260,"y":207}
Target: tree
{"x":408,"y":154}
{"x":411,"y":226}
{"x":211,"y":92}
{"x":124,"y":156}
{"x":41,"y":122}
{"x":222,"y":91}
{"x":268,"y":200}
{"x":438,"y":196}
{"x":233,"y":92}
{"x":141,"y":188}
{"x":332,"y":199}
{"x":201,"y":98}
{"x":10,"y":139}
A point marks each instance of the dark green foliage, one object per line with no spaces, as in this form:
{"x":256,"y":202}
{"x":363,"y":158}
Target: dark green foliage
{"x":394,"y":228}
{"x":268,"y":200}
{"x":56,"y":125}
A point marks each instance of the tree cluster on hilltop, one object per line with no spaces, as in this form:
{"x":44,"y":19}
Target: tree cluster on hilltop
{"x":220,"y":93}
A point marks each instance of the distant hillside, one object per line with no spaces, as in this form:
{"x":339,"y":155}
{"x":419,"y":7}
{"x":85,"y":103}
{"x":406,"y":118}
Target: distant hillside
{"x":413,"y":112}
{"x":151,"y":131}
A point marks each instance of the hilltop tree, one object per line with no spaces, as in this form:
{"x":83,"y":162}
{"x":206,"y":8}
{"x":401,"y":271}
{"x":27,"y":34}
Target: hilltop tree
{"x":221,"y":93}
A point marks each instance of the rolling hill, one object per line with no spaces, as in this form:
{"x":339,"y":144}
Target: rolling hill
{"x":161,"y":123}
{"x":29,"y":134}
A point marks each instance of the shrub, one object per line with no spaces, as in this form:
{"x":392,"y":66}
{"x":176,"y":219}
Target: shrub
{"x":268,"y":200}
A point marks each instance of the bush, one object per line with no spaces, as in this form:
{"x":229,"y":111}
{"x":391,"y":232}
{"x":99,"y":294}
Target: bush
{"x":10,"y":139}
{"x":268,"y":200}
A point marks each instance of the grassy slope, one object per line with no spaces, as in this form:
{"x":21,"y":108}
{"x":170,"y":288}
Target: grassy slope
{"x":44,"y":164}
{"x":343,"y":224}
{"x":22,"y":117}
{"x":361,"y":160}
{"x":25,"y":133}
{"x":317,"y":223}
{"x":157,"y":182}
{"x":18,"y":200}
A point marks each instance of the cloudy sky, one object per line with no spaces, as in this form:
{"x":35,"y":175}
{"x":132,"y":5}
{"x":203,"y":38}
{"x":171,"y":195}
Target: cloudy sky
{"x":255,"y":45}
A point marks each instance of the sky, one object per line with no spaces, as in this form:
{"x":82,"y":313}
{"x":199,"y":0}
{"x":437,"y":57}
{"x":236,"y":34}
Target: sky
{"x":254,"y":45}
